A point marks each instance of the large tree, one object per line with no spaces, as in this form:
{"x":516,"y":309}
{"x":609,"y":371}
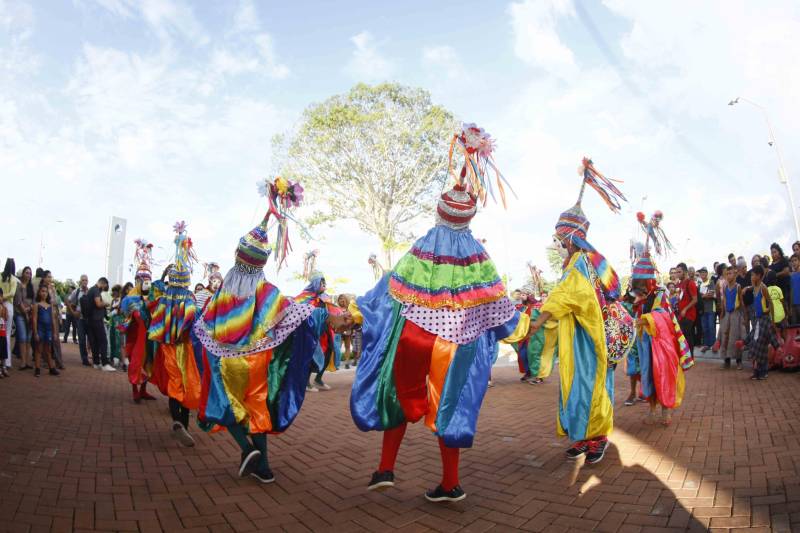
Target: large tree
{"x":377,"y":155}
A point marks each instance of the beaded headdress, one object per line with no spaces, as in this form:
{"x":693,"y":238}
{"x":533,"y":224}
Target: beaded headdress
{"x":573,"y":225}
{"x":143,"y":258}
{"x":180,"y":275}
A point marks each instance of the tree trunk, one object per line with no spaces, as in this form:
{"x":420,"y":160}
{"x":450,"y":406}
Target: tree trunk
{"x":387,"y":255}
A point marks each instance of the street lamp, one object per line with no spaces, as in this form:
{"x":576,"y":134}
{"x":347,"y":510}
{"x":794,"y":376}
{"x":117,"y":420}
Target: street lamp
{"x":783,"y":177}
{"x":41,"y":243}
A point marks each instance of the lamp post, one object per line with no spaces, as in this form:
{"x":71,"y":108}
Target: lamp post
{"x":41,"y":243}
{"x":783,"y":177}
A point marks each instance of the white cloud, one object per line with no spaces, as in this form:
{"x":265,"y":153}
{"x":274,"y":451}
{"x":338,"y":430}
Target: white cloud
{"x":165,"y":18}
{"x":536,"y":40}
{"x":266,"y":49}
{"x":367,"y":63}
{"x":246,"y":19}
{"x":443,"y":60}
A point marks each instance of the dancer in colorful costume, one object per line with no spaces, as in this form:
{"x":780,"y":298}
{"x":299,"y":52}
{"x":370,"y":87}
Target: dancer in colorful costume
{"x":581,"y":302}
{"x":139,"y":351}
{"x":662,"y":349}
{"x":258,"y":344}
{"x":172,"y":311}
{"x":430,"y":328}
{"x":325,"y":358}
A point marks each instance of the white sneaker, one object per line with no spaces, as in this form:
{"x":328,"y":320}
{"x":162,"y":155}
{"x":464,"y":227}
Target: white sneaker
{"x":109,"y":368}
{"x":311,"y":388}
{"x":322,"y":386}
{"x":97,"y":367}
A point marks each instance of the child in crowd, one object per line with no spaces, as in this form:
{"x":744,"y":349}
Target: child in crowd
{"x":794,"y":315}
{"x":731,"y":322}
{"x":42,"y":316}
{"x":114,"y":322}
{"x":346,"y":336}
{"x":674,"y":297}
{"x":762,"y":329}
{"x":3,"y":335}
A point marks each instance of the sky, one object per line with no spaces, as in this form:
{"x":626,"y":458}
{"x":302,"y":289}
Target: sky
{"x":163,"y":110}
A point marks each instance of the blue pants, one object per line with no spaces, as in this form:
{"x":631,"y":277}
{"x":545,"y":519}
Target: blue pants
{"x":709,"y":324}
{"x":23,"y":335}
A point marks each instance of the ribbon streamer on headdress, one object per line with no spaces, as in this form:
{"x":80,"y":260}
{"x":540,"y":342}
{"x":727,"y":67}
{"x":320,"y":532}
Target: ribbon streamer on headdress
{"x":654,"y":233}
{"x":282,"y":195}
{"x":476,"y":146}
{"x":605,"y":187}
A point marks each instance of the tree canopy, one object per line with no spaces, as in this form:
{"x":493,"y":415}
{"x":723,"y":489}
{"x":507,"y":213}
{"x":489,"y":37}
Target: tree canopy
{"x":376,"y":155}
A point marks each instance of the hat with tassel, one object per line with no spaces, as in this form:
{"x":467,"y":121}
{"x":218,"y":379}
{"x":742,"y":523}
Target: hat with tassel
{"x":180,"y":275}
{"x":254,"y":250}
{"x":143,"y":257}
{"x":573,"y":225}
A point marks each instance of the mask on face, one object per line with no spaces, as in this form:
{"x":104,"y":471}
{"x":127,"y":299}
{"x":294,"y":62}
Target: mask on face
{"x":562,"y":252}
{"x":215,"y":283}
{"x":145,"y":287}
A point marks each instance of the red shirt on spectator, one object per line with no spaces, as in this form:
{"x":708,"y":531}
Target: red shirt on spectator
{"x":688,"y":289}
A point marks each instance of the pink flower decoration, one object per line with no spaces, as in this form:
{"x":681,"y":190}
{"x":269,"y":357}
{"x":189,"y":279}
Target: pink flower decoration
{"x":297,"y":192}
{"x":179,"y":226}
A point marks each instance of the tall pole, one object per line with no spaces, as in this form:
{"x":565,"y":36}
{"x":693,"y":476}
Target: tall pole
{"x":783,"y":177}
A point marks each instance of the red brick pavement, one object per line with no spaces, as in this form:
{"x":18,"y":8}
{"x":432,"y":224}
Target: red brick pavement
{"x":77,"y":454}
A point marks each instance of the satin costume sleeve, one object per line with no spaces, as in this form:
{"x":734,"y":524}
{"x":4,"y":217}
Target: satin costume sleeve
{"x":584,"y":409}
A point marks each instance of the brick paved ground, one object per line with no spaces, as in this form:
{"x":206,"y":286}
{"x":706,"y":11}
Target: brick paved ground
{"x":76,"y":453}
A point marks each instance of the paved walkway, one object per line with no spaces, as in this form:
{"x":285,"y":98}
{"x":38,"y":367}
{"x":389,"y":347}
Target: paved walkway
{"x":76,"y":453}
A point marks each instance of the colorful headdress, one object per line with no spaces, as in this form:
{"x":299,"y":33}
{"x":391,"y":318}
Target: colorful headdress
{"x":181,"y":273}
{"x":143,"y":258}
{"x":644,"y":268}
{"x":310,"y":264}
{"x":655,"y":235}
{"x":643,"y":265}
{"x":572,"y":224}
{"x":253,"y":250}
{"x":477,"y":145}
{"x":457,"y":206}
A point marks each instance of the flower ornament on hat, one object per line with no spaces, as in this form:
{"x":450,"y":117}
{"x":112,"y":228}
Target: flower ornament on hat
{"x":477,"y":147}
{"x":180,"y":275}
{"x":143,"y":259}
{"x":253,"y":251}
